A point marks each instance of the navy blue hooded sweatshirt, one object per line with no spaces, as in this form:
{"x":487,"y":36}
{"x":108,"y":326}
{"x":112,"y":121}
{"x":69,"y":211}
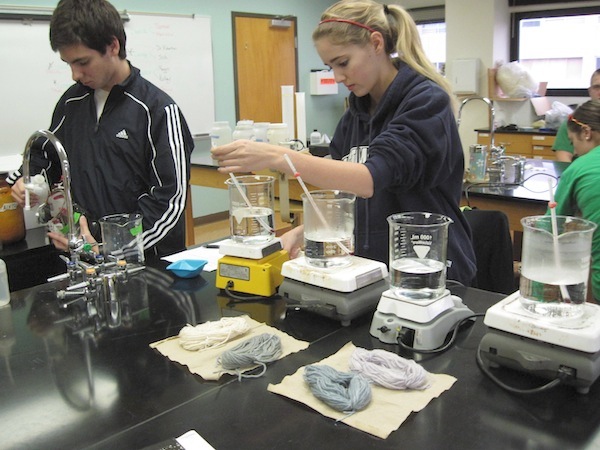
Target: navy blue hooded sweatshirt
{"x":412,"y":148}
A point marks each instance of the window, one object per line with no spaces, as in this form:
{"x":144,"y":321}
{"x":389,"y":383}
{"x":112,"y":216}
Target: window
{"x":431,"y":25}
{"x":558,"y":46}
{"x":433,"y":38}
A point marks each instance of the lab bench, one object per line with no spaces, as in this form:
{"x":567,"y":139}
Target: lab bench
{"x":110,"y":390}
{"x":523,"y":142}
{"x":530,"y":198}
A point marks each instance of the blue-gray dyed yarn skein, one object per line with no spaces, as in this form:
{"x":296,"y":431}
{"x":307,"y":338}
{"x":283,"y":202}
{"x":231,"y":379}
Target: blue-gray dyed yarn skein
{"x":346,"y":392}
{"x":259,"y":349}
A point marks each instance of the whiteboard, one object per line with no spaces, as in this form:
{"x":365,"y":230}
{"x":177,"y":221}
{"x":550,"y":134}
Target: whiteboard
{"x":173,"y":52}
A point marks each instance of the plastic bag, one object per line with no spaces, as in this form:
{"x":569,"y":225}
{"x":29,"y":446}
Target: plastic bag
{"x":515,"y":81}
{"x":556,"y":115}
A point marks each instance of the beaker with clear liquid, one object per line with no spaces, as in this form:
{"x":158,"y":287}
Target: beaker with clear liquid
{"x":418,"y":248}
{"x":122,"y":238}
{"x":251,"y":209}
{"x":554,"y":275}
{"x":328,"y":229}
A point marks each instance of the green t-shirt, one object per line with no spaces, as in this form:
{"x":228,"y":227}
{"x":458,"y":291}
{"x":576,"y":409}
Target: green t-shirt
{"x":578,"y":194}
{"x":562,"y":141}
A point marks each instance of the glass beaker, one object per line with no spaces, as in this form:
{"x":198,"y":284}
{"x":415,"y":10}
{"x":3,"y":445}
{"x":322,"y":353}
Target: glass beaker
{"x":122,"y":238}
{"x":328,"y":229}
{"x":418,"y":247}
{"x":251,"y":206}
{"x":554,"y":272}
{"x":477,"y":163}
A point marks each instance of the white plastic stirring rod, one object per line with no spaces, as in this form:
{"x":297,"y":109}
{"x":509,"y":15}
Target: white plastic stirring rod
{"x":247,"y":200}
{"x":312,"y":201}
{"x":552,"y":204}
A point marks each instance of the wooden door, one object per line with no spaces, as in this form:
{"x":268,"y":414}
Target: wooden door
{"x":265,"y":59}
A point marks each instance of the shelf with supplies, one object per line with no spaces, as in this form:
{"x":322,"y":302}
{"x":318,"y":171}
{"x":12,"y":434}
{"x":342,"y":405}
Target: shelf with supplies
{"x":528,"y":144}
{"x":495,"y":92}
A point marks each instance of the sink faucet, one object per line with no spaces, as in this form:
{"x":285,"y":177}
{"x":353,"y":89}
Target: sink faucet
{"x":491,"y":115}
{"x":73,"y":241}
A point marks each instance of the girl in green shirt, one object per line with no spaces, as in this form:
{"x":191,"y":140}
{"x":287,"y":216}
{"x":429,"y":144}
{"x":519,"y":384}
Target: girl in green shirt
{"x":578,"y":192}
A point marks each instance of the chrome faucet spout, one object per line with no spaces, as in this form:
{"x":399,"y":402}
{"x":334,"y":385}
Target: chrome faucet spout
{"x":491,"y":115}
{"x":73,"y":240}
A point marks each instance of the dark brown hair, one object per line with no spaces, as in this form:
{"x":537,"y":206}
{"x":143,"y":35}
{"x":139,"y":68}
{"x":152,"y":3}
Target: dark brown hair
{"x":93,"y":23}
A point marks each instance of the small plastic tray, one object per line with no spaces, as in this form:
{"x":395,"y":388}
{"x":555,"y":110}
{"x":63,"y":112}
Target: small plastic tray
{"x":187,"y":268}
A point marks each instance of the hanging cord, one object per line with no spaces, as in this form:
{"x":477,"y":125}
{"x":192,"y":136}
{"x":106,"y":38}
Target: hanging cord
{"x":212,"y":334}
{"x":236,"y":296}
{"x":388,"y":370}
{"x":257,"y":350}
{"x":562,"y":375}
{"x":444,"y":347}
{"x":343,"y":391}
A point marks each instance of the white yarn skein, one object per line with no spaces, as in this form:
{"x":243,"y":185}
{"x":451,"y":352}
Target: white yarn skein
{"x":212,"y":334}
{"x":388,"y":369}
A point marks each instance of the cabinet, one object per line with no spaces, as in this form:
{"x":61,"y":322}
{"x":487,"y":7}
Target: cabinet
{"x":530,"y":145}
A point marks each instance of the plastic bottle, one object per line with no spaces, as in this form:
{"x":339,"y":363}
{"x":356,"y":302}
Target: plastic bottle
{"x":243,"y":130}
{"x":315,"y":138}
{"x":260,"y":131}
{"x":220,"y":134}
{"x":4,"y":290}
{"x":277,"y":133}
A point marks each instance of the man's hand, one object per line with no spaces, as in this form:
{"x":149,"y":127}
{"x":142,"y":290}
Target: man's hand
{"x":61,"y":242}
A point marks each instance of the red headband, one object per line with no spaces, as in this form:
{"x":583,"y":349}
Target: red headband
{"x":351,"y":22}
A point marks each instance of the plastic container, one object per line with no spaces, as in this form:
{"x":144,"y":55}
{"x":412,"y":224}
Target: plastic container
{"x":277,"y":133}
{"x":220,"y":134}
{"x":243,"y":130}
{"x":315,"y":138}
{"x":260,"y":131}
{"x":4,"y":289}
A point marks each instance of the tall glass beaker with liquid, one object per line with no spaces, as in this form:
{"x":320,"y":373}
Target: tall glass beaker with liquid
{"x":555,"y":266}
{"x":418,"y":248}
{"x":251,"y":206}
{"x":328,"y":228}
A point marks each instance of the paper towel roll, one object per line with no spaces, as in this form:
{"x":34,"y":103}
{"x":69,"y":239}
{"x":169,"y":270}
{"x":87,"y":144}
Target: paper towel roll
{"x":301,"y":117}
{"x":287,"y":108}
